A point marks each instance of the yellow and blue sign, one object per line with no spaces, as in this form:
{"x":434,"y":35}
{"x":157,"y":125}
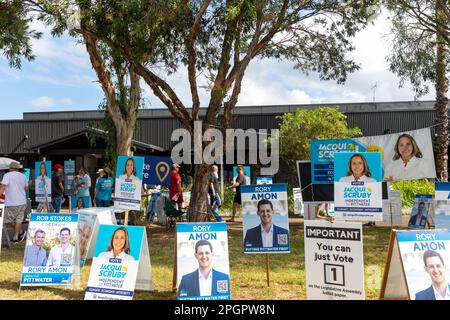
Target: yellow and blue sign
{"x":157,"y":170}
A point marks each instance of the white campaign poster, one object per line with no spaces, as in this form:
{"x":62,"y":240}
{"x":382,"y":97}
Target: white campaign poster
{"x":117,"y":263}
{"x":86,"y":227}
{"x":419,"y":213}
{"x":265,"y":218}
{"x":357,"y":186}
{"x":202,"y":251}
{"x":425,"y":256}
{"x":51,"y":254}
{"x":128,"y":188}
{"x":43,"y":181}
{"x":298,"y":201}
{"x":334,"y":263}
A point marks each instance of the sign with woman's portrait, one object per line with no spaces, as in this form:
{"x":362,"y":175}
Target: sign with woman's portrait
{"x":128,"y":183}
{"x":357,"y":186}
{"x":121,"y":263}
{"x":43,"y":181}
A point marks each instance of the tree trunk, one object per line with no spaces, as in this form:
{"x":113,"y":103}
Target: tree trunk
{"x":198,"y":208}
{"x":441,"y":105}
{"x":124,"y":134}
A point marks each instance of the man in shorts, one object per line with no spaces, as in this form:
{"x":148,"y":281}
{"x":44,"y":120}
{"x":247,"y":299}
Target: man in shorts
{"x":14,"y":184}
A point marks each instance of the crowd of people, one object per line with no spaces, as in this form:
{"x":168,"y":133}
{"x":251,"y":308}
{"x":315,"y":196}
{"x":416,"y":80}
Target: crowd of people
{"x":14,"y":188}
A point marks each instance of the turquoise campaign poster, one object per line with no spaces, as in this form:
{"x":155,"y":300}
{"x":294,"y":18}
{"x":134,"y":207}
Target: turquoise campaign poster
{"x":50,"y":250}
{"x":203,"y":271}
{"x":357,"y":186}
{"x":128,"y":186}
{"x":265,"y":218}
{"x":42,"y":181}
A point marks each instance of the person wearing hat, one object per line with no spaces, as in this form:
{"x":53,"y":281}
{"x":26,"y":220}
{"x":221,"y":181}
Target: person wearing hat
{"x":57,"y":187}
{"x":15,"y":184}
{"x":103,"y":188}
{"x":176,"y":188}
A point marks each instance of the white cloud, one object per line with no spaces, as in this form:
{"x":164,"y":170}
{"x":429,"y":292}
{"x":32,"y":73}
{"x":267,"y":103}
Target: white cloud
{"x":42,"y":102}
{"x":45,"y":102}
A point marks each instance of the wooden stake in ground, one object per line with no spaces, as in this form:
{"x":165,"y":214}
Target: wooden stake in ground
{"x":267,"y":270}
{"x":175,"y":270}
{"x":126,"y":217}
{"x":70,"y":204}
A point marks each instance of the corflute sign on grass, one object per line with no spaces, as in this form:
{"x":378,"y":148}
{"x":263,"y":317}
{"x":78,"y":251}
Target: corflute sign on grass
{"x":417,"y":265}
{"x":121,"y":263}
{"x":265,"y":218}
{"x":357,"y":186}
{"x":51,"y":251}
{"x":334,"y":264}
{"x":203,"y":271}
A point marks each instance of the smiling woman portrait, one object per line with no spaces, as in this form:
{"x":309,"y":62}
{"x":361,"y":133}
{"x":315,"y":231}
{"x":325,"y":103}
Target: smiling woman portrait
{"x":408,"y":162}
{"x":119,"y":246}
{"x":358,"y":170}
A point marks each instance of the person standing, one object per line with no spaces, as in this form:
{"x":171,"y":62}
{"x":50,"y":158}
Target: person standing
{"x":176,"y":188}
{"x":103,"y":188}
{"x":57,"y":187}
{"x":83,"y":185}
{"x":240,"y":180}
{"x":213,"y":190}
{"x":14,"y":185}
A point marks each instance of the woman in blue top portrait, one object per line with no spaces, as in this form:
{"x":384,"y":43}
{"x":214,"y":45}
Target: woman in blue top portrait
{"x":358,"y":170}
{"x":119,"y":246}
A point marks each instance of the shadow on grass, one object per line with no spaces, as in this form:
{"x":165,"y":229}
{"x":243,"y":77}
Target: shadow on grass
{"x":65,"y":292}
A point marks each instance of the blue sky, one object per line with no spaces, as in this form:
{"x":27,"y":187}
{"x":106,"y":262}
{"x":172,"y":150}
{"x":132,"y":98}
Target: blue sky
{"x":61,"y":79}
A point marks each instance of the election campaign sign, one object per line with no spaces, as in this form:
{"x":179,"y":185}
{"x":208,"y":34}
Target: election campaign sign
{"x":157,"y":170}
{"x":202,"y":256}
{"x":357,"y":186}
{"x":413,"y":148}
{"x":442,"y":214}
{"x":69,"y":174}
{"x":94,"y":217}
{"x":419,"y":213}
{"x":298,"y":201}
{"x":442,"y":191}
{"x":417,"y":265}
{"x":42,"y":181}
{"x":121,"y":264}
{"x":51,"y":250}
{"x":334,"y":263}
{"x":265,"y":218}
{"x":128,"y":183}
{"x":263,"y":180}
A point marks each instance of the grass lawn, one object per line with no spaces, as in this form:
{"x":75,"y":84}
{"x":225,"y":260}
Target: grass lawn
{"x":248,"y":274}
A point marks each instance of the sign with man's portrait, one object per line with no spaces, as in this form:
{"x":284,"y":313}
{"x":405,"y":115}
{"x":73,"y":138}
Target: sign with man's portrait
{"x":265,"y":218}
{"x":203,"y":271}
{"x":51,"y":250}
{"x":419,"y":213}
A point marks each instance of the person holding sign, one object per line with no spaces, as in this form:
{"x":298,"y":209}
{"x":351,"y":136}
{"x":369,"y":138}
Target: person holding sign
{"x":205,"y":281}
{"x":62,"y":254}
{"x":35,"y":255}
{"x":358,"y":170}
{"x":266,"y":234}
{"x":407,"y":162}
{"x":119,"y":246}
{"x":436,"y":269}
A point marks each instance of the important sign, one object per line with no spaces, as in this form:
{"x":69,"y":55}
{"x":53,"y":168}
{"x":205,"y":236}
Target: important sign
{"x":334,"y":260}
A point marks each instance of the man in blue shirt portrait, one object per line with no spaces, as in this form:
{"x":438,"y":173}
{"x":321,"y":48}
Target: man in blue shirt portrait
{"x":35,"y":255}
{"x":205,"y":281}
{"x":436,"y":268}
{"x":266,"y":234}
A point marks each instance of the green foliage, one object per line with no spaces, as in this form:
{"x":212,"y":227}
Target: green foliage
{"x":15,"y":33}
{"x":410,"y":188}
{"x":297,"y":129}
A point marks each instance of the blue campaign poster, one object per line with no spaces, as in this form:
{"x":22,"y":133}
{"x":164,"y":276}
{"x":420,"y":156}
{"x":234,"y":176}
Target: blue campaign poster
{"x":157,"y":170}
{"x":105,"y":240}
{"x":442,"y":190}
{"x":42,"y":181}
{"x":128,"y":183}
{"x":69,"y":173}
{"x":371,"y":166}
{"x":322,"y":157}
